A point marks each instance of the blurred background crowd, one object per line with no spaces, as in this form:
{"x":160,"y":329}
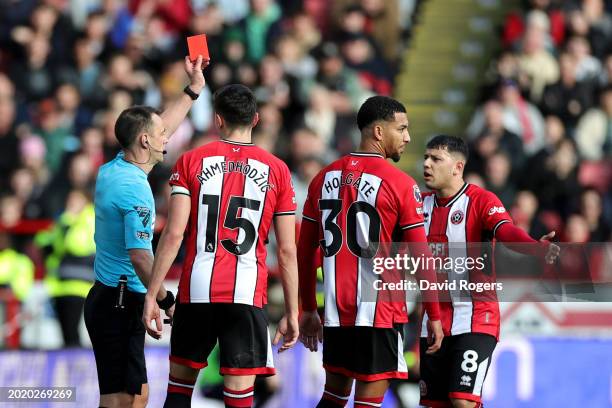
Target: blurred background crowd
{"x":541,"y":138}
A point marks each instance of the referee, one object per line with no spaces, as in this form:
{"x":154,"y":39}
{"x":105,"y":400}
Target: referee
{"x":125,"y":218}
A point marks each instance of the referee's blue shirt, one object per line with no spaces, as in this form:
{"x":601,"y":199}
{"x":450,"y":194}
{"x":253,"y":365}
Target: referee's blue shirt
{"x":125,"y":217}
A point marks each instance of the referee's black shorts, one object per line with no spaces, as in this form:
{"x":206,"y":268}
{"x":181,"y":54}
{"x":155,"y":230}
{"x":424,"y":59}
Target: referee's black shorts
{"x":117,"y":336}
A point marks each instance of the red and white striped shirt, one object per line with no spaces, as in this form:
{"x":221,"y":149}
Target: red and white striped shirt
{"x":236,"y":189}
{"x":359,"y":202}
{"x":458,"y":223}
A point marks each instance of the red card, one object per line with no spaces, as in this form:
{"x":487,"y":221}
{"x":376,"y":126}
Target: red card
{"x":197,"y":46}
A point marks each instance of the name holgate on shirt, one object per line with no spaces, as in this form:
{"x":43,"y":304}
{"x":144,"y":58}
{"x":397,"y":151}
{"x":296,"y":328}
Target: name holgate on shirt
{"x":349,"y":179}
{"x":259,"y":178}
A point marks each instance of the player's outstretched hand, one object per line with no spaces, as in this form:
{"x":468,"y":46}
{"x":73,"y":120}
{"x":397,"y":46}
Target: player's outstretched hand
{"x":194,"y":71}
{"x":553,"y":249}
{"x":311,"y":330}
{"x":151,"y":312}
{"x":288,"y":330}
{"x":434,"y":336}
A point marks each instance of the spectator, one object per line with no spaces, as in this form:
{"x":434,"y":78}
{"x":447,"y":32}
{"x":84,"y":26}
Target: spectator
{"x":260,"y":28}
{"x":79,"y":175}
{"x":520,"y":117}
{"x":33,"y":76}
{"x":320,"y":115}
{"x":25,"y":188}
{"x":348,"y":93}
{"x":600,"y":24}
{"x":32,"y":153}
{"x":588,"y":67}
{"x":307,"y":168}
{"x":11,"y":212}
{"x":495,"y":137}
{"x":568,"y":98}
{"x":497,"y":171}
{"x":8,"y":139}
{"x":514,"y":26}
{"x":73,"y":116}
{"x":594,"y":130}
{"x":306,"y":143}
{"x":537,"y":63}
{"x":361,"y":56}
{"x":591,"y":209}
{"x":304,"y":30}
{"x":16,"y":269}
{"x":293,"y":58}
{"x":88,"y":72}
{"x":71,"y":248}
{"x":92,"y":145}
{"x":524,"y":212}
{"x":58,"y":138}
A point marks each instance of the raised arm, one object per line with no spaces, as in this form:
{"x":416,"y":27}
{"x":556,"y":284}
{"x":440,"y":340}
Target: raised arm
{"x":174,"y":114}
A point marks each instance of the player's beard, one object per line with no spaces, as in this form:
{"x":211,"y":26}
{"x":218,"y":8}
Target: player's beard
{"x":396,"y":157}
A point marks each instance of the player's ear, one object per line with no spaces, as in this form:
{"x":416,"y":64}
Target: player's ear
{"x":459,"y":167}
{"x":255,"y":120}
{"x":219,"y":122}
{"x":377,"y":129}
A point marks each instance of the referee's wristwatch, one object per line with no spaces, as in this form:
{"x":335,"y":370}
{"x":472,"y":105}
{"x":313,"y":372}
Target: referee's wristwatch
{"x":190,"y":93}
{"x":167,"y":302}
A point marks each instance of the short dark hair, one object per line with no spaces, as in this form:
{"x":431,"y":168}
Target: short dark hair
{"x":236,"y":104}
{"x":133,"y":121}
{"x":453,"y":144}
{"x":378,"y":108}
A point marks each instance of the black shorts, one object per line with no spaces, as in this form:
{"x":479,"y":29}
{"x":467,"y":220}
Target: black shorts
{"x":365,"y":353}
{"x":457,"y":370}
{"x":117,"y":337}
{"x":241,"y":330}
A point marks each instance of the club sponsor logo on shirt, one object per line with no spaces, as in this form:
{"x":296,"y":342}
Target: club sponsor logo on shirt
{"x":456,"y":217}
{"x":499,"y":210}
{"x":144,"y":213}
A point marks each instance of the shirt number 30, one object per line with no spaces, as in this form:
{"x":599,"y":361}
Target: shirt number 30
{"x":333,"y":245}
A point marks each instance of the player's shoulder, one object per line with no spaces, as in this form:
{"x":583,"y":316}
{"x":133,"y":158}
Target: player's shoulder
{"x":397,"y":179}
{"x":478,"y":193}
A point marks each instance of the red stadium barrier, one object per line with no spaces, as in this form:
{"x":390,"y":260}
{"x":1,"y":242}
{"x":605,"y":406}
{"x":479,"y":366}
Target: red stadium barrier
{"x":10,"y":319}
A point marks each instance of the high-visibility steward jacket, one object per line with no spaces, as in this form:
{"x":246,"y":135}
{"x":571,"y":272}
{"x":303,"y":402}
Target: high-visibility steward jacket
{"x":70,"y":263}
{"x":16,"y":272}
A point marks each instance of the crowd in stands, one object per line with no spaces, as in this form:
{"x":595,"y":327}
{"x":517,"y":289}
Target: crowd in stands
{"x":542,"y":139}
